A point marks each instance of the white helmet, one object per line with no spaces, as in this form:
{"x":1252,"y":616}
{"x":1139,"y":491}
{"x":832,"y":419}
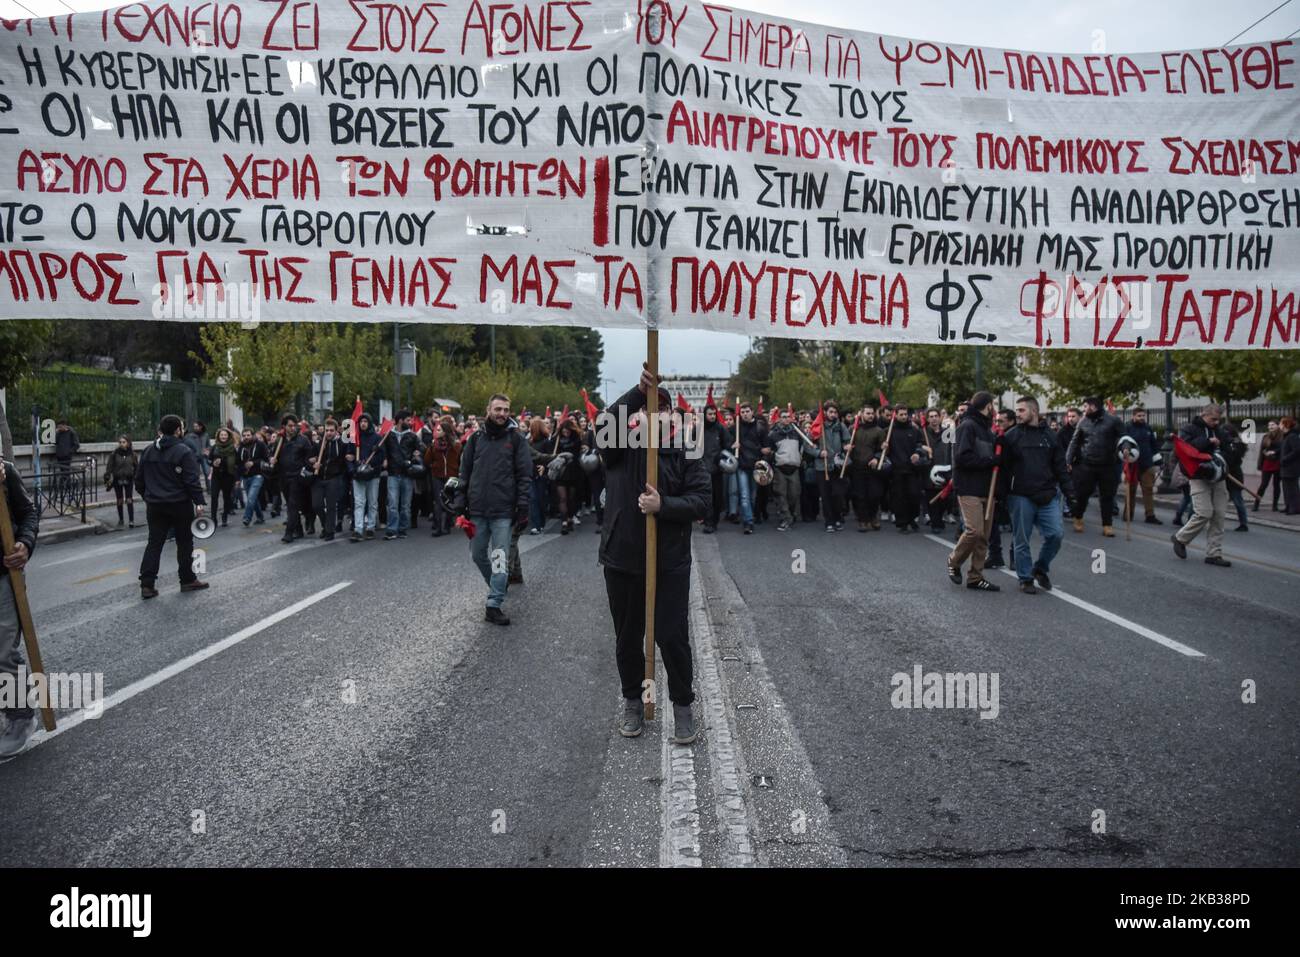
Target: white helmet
{"x":1127,"y":449}
{"x":939,"y":474}
{"x":763,"y":473}
{"x":590,"y":461}
{"x":727,"y":461}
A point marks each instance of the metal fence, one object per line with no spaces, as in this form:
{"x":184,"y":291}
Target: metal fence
{"x":63,"y":491}
{"x":102,"y":407}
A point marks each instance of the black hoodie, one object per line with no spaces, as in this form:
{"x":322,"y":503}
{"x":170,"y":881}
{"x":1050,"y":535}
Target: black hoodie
{"x":974,"y":455}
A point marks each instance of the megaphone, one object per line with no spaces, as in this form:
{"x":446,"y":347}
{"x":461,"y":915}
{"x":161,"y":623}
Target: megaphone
{"x":203,"y":527}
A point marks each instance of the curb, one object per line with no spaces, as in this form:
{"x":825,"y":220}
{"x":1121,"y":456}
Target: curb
{"x":1252,"y":520}
{"x":71,"y":532}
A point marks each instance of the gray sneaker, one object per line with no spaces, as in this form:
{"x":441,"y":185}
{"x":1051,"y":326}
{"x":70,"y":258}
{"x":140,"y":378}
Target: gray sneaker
{"x":16,"y":734}
{"x":683,"y":724}
{"x":633,"y":718}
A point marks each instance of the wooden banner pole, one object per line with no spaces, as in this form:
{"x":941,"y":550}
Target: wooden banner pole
{"x":651,"y":525}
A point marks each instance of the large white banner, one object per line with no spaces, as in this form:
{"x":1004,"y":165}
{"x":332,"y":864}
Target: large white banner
{"x":624,"y":162}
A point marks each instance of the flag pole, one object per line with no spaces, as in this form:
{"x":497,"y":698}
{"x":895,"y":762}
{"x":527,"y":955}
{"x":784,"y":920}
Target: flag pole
{"x":852,"y":438}
{"x":19,"y":585}
{"x":651,"y":525}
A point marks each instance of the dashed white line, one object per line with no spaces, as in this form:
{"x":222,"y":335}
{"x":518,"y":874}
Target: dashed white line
{"x":1102,"y":613}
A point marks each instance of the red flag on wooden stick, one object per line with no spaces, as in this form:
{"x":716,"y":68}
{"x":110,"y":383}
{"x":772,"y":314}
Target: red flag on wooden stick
{"x":815,"y":428}
{"x":884,"y":399}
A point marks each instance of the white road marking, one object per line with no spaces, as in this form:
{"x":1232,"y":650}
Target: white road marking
{"x":1100,"y":612}
{"x":729,"y":795}
{"x":152,"y":681}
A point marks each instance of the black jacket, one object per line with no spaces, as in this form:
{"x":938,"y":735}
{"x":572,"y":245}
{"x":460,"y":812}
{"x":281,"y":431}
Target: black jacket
{"x":1145,"y":437}
{"x":974,"y":455}
{"x":684,"y":487}
{"x":401,"y":449}
{"x":1198,"y":435}
{"x":753,"y":439}
{"x":1290,"y":458}
{"x":294,"y":454}
{"x":66,"y":444}
{"x":25,"y":517}
{"x":252,"y":454}
{"x":905,"y":441}
{"x":1033,"y":463}
{"x":496,"y":470}
{"x":169,"y":473}
{"x":716,"y":438}
{"x":333,"y":459}
{"x":1095,"y":441}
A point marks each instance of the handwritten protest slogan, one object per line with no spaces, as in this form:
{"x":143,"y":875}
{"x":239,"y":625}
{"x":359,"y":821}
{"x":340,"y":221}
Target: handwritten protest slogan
{"x":628,"y":162}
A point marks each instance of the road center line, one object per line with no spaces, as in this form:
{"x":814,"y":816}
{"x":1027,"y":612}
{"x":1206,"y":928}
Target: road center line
{"x":171,"y":671}
{"x":1102,"y":613}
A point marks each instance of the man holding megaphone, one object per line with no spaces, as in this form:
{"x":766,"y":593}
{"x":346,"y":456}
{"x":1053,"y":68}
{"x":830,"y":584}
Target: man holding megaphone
{"x":171,"y":485}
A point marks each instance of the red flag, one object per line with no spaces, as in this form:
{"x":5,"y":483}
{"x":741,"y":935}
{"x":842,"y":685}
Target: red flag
{"x":1189,"y":456}
{"x":1110,"y":407}
{"x":355,"y":417}
{"x":815,"y":429}
{"x":884,"y":399}
{"x":465,"y":525}
{"x":1131,"y":473}
{"x":776,"y":414}
{"x":682,"y":403}
{"x":565,"y":414}
{"x":708,"y":399}
{"x":385,"y":427}
{"x":416,"y":424}
{"x":548,"y":411}
{"x":592,"y":411}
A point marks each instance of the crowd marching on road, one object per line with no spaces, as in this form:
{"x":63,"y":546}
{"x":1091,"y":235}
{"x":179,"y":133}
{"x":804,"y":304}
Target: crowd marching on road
{"x":978,"y":470}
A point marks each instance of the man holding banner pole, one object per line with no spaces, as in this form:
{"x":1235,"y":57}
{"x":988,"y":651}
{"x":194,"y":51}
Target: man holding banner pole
{"x":679,"y":499}
{"x":19,"y":520}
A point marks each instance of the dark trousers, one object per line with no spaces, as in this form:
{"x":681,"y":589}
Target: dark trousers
{"x":297,"y":503}
{"x":122,"y":490}
{"x":1291,"y":495}
{"x":165,"y":517}
{"x":326,"y":502}
{"x":831,"y":489}
{"x":627,"y":605}
{"x":1264,"y":479}
{"x":1104,"y":481}
{"x":808,"y":499}
{"x":223,"y":484}
{"x":905,"y":496}
{"x":271,"y":494}
{"x":718,"y":481}
{"x":865,"y":488}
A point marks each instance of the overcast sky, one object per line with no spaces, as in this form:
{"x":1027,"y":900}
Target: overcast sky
{"x":1064,"y":26}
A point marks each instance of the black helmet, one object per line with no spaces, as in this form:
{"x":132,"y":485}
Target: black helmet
{"x":449,"y":490}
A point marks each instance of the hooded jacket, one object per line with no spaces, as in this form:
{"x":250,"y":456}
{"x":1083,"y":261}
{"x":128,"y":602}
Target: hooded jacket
{"x":974,"y":453}
{"x":122,"y":464}
{"x":684,"y":487}
{"x":496,"y":469}
{"x":370,"y":451}
{"x":1145,"y":437}
{"x":904,"y":442}
{"x":716,"y":438}
{"x":867,"y":444}
{"x":169,"y":473}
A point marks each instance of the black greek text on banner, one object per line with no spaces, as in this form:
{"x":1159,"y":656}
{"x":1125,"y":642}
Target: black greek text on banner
{"x":626,"y":163}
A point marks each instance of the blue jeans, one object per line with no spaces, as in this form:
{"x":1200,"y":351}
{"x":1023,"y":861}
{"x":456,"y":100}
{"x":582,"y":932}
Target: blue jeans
{"x":541,"y":492}
{"x":1024,"y":516}
{"x":365,"y":505}
{"x":1234,"y":495}
{"x":252,"y":485}
{"x":745,"y":491}
{"x":399,"y":502}
{"x":733,"y":500}
{"x":491,"y":551}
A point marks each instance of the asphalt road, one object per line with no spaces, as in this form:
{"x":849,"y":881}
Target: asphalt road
{"x":340,"y":704}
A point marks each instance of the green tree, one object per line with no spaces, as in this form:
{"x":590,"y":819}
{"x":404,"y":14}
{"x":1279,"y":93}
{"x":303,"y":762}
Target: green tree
{"x":21,"y":342}
{"x":1118,"y":376}
{"x":264,"y":368}
{"x":1227,"y":374}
